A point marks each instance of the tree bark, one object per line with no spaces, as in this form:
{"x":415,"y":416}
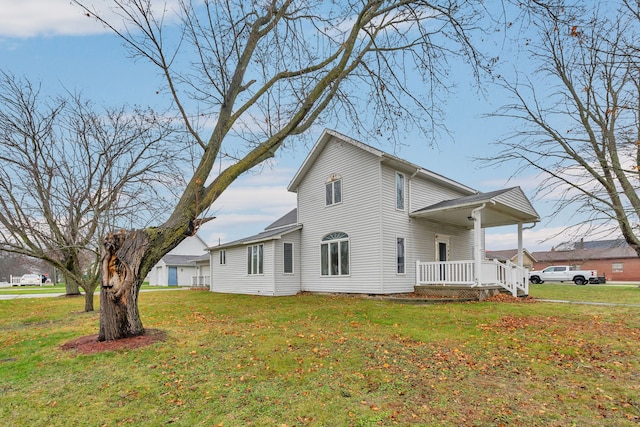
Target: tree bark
{"x":71,"y":287}
{"x":88,"y":301}
{"x":120,"y":284}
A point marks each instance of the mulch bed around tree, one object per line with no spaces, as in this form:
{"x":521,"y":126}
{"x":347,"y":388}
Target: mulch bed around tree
{"x":90,"y":344}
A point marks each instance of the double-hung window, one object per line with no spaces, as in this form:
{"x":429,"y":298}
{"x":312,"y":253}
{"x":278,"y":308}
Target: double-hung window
{"x":255,"y":254}
{"x":287,"y":256}
{"x":399,"y":191}
{"x":334,"y":255}
{"x":333,"y":190}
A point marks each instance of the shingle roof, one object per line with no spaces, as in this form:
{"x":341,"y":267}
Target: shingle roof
{"x":289,"y":218}
{"x":585,"y":254}
{"x":185,"y":260}
{"x":465,"y":200}
{"x":283,"y":225}
{"x":506,"y":254}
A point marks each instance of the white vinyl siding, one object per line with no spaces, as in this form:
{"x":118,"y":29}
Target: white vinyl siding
{"x":358,"y":216}
{"x":233,"y":277}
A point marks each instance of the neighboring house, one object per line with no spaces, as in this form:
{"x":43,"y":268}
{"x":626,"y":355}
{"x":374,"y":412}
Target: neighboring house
{"x":614,"y":259}
{"x":528,"y":260}
{"x":178,"y":267}
{"x":368,"y":222}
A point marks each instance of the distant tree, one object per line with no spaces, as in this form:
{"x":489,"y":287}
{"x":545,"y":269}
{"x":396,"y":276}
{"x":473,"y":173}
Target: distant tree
{"x":12,"y":264}
{"x":70,"y":172}
{"x":249,"y":77}
{"x":578,"y":116}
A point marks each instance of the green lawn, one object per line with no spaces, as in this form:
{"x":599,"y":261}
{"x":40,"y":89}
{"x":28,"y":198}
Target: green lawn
{"x":620,"y":294}
{"x":314,"y":360}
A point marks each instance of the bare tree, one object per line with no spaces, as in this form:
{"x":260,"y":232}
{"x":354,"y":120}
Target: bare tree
{"x":69,"y":173}
{"x":248,"y":77}
{"x":579,"y":116}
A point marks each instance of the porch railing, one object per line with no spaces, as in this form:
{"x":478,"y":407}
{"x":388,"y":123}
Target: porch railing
{"x":509,"y":275}
{"x":200,"y":281}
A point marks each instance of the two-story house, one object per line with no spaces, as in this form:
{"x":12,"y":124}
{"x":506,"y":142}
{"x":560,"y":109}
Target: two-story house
{"x":368,"y":222}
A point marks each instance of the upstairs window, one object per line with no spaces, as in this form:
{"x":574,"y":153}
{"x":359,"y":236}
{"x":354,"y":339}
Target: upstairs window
{"x":223,"y":257}
{"x":334,"y":255}
{"x":333,"y":190}
{"x":399,"y":191}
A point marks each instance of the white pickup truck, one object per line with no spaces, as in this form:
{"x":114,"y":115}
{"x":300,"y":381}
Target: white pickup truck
{"x":563,"y":273}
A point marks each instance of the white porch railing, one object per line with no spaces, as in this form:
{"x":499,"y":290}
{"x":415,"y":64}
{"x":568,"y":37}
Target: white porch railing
{"x":200,"y":281}
{"x":510,"y":276}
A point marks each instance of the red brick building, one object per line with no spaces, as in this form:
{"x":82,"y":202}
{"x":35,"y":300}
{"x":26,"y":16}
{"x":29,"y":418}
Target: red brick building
{"x":613,"y":258}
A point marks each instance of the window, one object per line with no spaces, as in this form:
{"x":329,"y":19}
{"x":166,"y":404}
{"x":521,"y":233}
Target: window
{"x":334,"y":255}
{"x":288,"y":258}
{"x":223,"y":257}
{"x":399,"y":191}
{"x":617,"y":267}
{"x":255,"y":259}
{"x":333,"y":190}
{"x":400,"y":255}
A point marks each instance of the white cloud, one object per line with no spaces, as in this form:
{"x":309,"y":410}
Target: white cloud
{"x":31,"y":18}
{"x":250,"y":204}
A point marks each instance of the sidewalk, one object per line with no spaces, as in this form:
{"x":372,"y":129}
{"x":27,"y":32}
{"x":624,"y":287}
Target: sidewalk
{"x":4,"y":297}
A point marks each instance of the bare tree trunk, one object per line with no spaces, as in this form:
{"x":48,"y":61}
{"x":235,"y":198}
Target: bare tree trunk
{"x":71,"y":287}
{"x":120,"y":284}
{"x":88,"y":301}
{"x":119,"y":317}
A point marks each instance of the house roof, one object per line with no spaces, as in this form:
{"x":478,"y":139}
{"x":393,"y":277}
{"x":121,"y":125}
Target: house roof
{"x":385,"y":158}
{"x":282,"y":226}
{"x":288,"y":219}
{"x":501,"y":207}
{"x":581,"y":255}
{"x":507,"y":254}
{"x":183,"y":260}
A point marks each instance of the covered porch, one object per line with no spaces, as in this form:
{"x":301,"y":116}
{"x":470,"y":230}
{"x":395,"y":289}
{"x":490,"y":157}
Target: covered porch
{"x":477,"y":212}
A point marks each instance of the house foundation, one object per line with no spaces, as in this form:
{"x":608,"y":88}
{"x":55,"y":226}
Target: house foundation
{"x":479,"y":293}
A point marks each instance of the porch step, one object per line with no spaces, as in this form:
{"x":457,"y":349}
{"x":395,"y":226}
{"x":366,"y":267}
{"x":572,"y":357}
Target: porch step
{"x":521,"y":293}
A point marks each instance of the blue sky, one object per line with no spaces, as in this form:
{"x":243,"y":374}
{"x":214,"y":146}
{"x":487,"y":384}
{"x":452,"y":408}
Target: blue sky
{"x":52,"y":42}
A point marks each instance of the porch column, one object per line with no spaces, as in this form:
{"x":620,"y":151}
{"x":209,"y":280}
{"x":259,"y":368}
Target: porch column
{"x":477,"y":243}
{"x":520,"y":259}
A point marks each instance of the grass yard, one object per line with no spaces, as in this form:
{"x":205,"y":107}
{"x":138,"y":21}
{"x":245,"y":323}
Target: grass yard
{"x":619,"y":294}
{"x":312,"y":360}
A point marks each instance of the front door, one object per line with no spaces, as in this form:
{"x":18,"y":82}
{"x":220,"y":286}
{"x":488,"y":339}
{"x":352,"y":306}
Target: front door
{"x":442,"y":255}
{"x":173,"y":276}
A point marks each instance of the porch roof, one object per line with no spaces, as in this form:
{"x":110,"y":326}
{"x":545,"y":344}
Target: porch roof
{"x":502,"y":207}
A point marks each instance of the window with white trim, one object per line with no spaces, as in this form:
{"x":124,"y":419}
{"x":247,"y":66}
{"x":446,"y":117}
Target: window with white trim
{"x":400,"y":255}
{"x":617,"y":267}
{"x":334,"y":254}
{"x":255,"y":260}
{"x":333,"y":190}
{"x":287,"y":256}
{"x":223,"y":257}
{"x":399,"y":191}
